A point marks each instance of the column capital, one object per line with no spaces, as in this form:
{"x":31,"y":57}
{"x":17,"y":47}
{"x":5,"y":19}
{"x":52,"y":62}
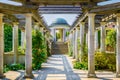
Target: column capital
{"x":102,"y":23}
{"x":118,"y":14}
{"x":1,"y":14}
{"x":91,"y":14}
{"x":83,"y":23}
{"x":29,"y":14}
{"x":96,"y":29}
{"x":76,"y":28}
{"x":15,"y":23}
{"x":23,"y":30}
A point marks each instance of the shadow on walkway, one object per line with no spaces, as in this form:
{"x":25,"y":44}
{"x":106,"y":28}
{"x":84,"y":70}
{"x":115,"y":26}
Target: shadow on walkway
{"x":58,"y":67}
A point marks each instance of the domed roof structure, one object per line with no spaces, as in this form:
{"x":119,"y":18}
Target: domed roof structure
{"x":59,"y":22}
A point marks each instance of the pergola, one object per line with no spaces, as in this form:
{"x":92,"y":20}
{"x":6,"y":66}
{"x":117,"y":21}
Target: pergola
{"x":90,"y":17}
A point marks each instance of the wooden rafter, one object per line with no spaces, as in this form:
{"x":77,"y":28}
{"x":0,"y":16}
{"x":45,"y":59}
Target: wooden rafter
{"x":106,"y":9}
{"x":6,"y":8}
{"x":14,"y":9}
{"x":59,"y":2}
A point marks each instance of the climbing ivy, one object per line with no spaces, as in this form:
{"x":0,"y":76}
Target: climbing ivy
{"x":39,"y":49}
{"x":8,"y":37}
{"x":111,"y":38}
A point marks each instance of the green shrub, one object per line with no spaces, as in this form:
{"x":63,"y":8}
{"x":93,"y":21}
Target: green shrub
{"x":105,"y":61}
{"x":7,"y":38}
{"x":13,"y":67}
{"x":111,"y":38}
{"x":6,"y":68}
{"x":82,"y":65}
{"x":8,"y":35}
{"x":16,"y":67}
{"x":102,"y":61}
{"x":39,"y":49}
{"x":21,"y":50}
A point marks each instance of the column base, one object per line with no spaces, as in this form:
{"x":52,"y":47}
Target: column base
{"x":117,"y":75}
{"x":91,"y":75}
{"x":2,"y":76}
{"x":31,"y":76}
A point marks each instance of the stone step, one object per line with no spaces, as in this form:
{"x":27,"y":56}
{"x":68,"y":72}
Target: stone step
{"x":60,"y":48}
{"x":59,"y":45}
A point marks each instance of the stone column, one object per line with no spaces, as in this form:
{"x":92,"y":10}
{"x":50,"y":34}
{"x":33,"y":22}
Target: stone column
{"x":96,"y":40}
{"x":28,"y":53}
{"x":1,"y":45}
{"x":23,"y":39}
{"x":76,"y":47}
{"x":54,"y":35}
{"x":86,"y":38}
{"x":118,"y":47}
{"x":82,"y":28}
{"x":15,"y":42}
{"x":64,"y":35}
{"x":91,"y":51}
{"x":73,"y":43}
{"x":103,"y":33}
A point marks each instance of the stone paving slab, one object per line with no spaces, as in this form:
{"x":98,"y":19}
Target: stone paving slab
{"x":56,"y":77}
{"x":12,"y":75}
{"x":59,"y":67}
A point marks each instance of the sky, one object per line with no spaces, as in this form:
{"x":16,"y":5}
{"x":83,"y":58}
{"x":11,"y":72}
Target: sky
{"x":49,"y":18}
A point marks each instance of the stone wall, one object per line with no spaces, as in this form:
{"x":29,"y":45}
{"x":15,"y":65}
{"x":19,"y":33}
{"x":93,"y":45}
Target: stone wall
{"x":9,"y":58}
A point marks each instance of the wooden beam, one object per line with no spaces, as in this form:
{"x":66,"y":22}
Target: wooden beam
{"x":54,"y":2}
{"x":58,"y":1}
{"x":11,"y":17}
{"x":36,"y":16}
{"x":80,"y":19}
{"x":106,"y":9}
{"x":14,"y":9}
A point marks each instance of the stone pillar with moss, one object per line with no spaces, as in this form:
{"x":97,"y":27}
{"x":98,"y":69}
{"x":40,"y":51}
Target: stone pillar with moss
{"x":76,"y":47}
{"x":103,"y":34}
{"x":64,"y":35}
{"x":15,"y":41}
{"x":73,"y":44}
{"x":28,"y":52}
{"x":91,"y":51}
{"x":82,"y":28}
{"x":1,"y":45}
{"x":96,"y":40}
{"x":54,"y":35}
{"x":118,"y":47}
{"x":86,"y":38}
{"x":23,"y":39}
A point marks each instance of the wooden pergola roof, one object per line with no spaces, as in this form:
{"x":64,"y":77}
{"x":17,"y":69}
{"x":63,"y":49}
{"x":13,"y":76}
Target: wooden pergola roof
{"x":57,"y":2}
{"x":39,"y":7}
{"x":60,"y":9}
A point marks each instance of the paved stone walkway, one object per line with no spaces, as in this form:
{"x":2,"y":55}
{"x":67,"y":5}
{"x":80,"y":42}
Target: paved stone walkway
{"x":59,"y":67}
